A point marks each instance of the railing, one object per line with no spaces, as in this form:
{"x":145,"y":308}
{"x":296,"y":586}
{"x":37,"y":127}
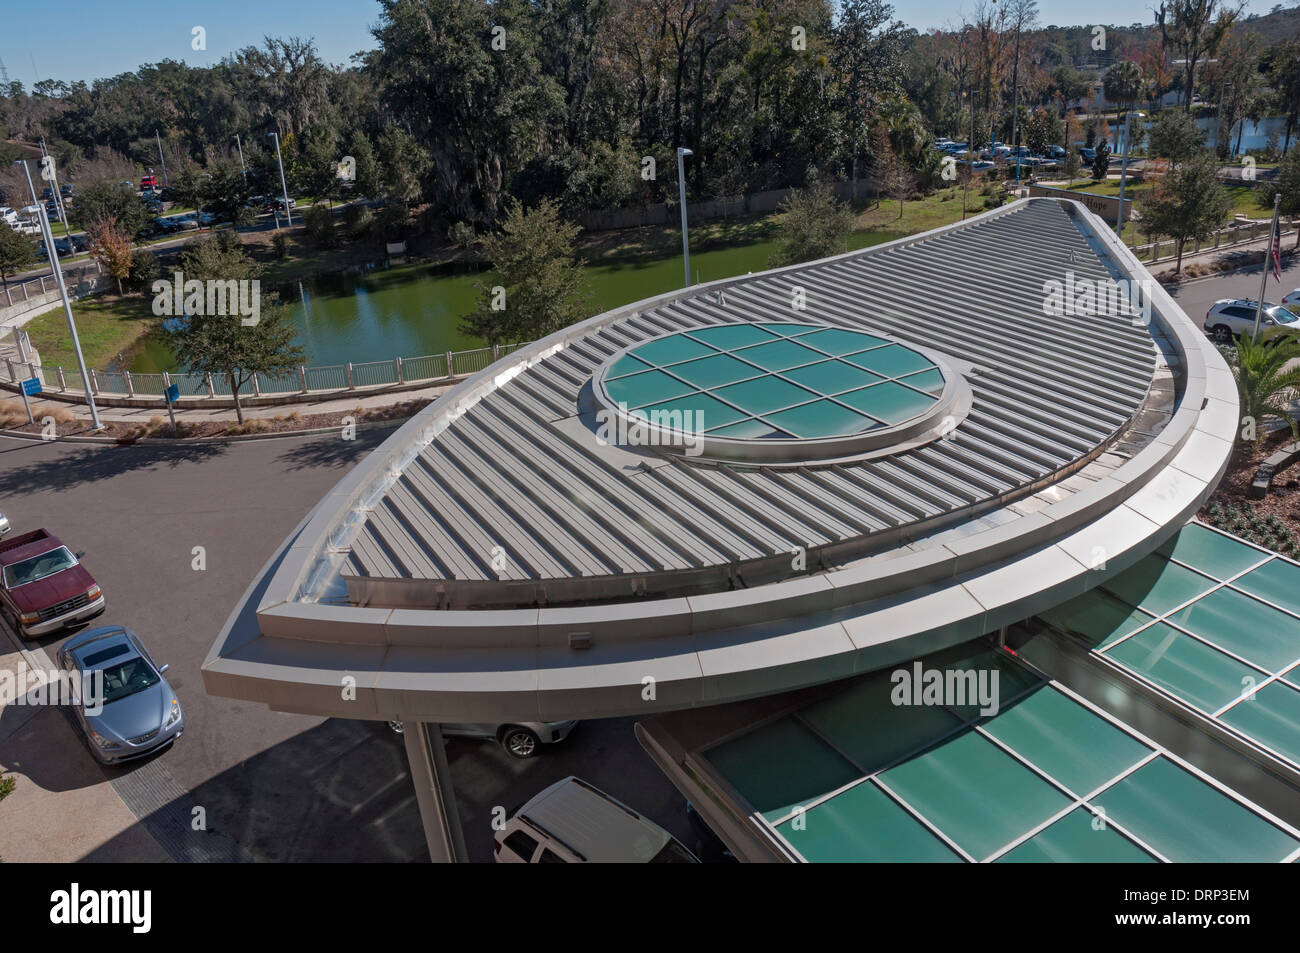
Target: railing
{"x":1238,"y":233}
{"x":449,"y":365}
{"x":20,"y":297}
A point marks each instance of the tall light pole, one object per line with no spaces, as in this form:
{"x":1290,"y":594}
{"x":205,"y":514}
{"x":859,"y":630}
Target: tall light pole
{"x":58,"y":196}
{"x":681,"y":191}
{"x":1218,"y":120}
{"x":242,"y":168}
{"x":1268,"y":252}
{"x":1123,"y":171}
{"x":48,"y":234}
{"x":288,"y":217}
{"x":162,"y":161}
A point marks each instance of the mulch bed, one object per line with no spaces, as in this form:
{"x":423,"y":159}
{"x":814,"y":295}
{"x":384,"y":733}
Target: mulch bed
{"x":1283,"y":497}
{"x":288,"y":422}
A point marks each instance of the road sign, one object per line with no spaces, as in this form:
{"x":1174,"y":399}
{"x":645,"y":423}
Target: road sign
{"x":172,"y":393}
{"x":31,"y":386}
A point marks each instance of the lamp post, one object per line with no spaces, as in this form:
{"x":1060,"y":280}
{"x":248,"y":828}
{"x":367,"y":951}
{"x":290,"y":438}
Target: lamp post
{"x":1123,"y":171}
{"x":288,"y":216}
{"x":681,"y":191}
{"x":240,"y":146}
{"x":48,"y":235}
{"x":161,"y":159}
{"x":1218,"y":120}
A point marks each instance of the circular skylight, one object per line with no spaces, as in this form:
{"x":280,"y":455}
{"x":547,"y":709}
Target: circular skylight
{"x":807,"y":390}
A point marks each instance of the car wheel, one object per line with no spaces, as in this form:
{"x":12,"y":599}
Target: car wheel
{"x":397,"y":726}
{"x":520,"y":742}
{"x":1222,"y":334}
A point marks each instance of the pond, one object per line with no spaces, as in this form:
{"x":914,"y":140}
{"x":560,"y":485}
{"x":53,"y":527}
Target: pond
{"x":378,"y":313}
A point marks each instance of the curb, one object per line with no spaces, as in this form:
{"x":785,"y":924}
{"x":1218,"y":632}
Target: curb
{"x":199,"y":441}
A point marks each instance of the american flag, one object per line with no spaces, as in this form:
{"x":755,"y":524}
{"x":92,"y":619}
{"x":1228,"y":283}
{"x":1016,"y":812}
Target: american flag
{"x":1277,"y":251}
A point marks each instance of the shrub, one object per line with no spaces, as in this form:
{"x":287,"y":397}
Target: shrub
{"x":144,"y":270}
{"x":1245,"y":521}
{"x":7,"y":785}
{"x":280,"y":245}
{"x":319,"y":225}
{"x":357,"y":221}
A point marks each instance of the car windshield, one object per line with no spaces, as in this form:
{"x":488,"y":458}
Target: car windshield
{"x":673,"y":853}
{"x":38,"y":567}
{"x":133,"y":675}
{"x":1283,"y":316}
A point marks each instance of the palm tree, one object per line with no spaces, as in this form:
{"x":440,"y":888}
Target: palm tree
{"x":1265,"y":381}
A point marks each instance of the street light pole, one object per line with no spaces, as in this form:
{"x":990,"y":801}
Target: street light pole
{"x":288,"y":216}
{"x":681,"y":189}
{"x":1268,"y":251}
{"x":161,"y":160}
{"x":1218,"y":121}
{"x":48,"y":235}
{"x":242,"y":167}
{"x":1123,"y":172}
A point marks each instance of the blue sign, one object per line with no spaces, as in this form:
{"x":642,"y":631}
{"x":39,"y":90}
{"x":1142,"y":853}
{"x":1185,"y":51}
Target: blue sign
{"x":172,"y":393}
{"x":32,"y":386}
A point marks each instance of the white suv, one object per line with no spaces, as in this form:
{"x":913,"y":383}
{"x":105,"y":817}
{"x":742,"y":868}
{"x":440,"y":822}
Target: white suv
{"x":1230,"y":318}
{"x":572,"y":822}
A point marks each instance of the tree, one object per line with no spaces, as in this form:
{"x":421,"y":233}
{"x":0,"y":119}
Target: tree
{"x":1287,"y":184}
{"x":1101,"y":161}
{"x":110,"y":244}
{"x":225,"y":194}
{"x":1194,"y":29}
{"x":404,"y":165}
{"x":103,"y":200}
{"x":811,"y":225}
{"x":541,"y":287}
{"x":1071,"y":166}
{"x":368,"y":182}
{"x":1124,"y":84}
{"x":1174,"y":136}
{"x":1266,"y":383}
{"x":17,"y":253}
{"x":318,"y":223}
{"x":1284,"y":73}
{"x":1188,"y":203}
{"x":223,"y":345}
{"x":867,"y":51}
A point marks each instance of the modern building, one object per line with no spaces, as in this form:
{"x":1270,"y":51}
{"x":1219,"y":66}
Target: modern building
{"x":775,"y":483}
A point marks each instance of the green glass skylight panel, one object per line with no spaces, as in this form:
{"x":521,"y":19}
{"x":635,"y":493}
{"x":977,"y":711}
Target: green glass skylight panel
{"x":865,"y":724}
{"x":1245,"y":627}
{"x":672,"y":349}
{"x":892,"y":361}
{"x":646,"y":388}
{"x":977,"y":794}
{"x":930,"y":381}
{"x":706,"y":412}
{"x":820,"y":419}
{"x":1181,"y":665}
{"x":1097,"y":618}
{"x":1158,"y":586}
{"x":715,"y":371}
{"x":837,"y":342}
{"x":1190,"y":821}
{"x":833,"y":377}
{"x":728,"y":337}
{"x":1211,"y":552}
{"x":1012,"y":678}
{"x":1076,"y":839}
{"x":864,"y":825}
{"x":1278,"y":581}
{"x":1272,"y":717}
{"x":780,"y":766}
{"x":888,"y":402}
{"x":627,"y":364}
{"x":780,"y":355}
{"x":751,"y":430}
{"x":764,"y":395}
{"x":1076,"y":747}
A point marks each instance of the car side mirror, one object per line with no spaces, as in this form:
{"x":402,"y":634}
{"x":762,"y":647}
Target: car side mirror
{"x":80,"y":553}
{"x":163,"y":668}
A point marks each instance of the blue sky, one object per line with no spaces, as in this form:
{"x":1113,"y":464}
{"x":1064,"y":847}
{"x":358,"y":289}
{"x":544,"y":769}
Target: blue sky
{"x":85,"y":39}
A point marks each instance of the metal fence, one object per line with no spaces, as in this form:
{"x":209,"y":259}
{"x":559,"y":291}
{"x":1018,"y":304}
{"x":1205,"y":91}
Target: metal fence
{"x":1238,"y":233}
{"x":449,"y":365}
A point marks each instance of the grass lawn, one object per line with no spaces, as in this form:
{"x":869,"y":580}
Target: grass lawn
{"x":106,"y":325}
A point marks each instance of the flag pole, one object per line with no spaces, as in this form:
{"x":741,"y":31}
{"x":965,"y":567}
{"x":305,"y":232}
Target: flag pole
{"x":1268,"y":253}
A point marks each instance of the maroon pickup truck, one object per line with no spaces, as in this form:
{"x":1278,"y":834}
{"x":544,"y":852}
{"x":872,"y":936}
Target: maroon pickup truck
{"x":43,"y":586}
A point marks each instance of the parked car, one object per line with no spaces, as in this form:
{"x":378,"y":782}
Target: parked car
{"x":1088,"y":155}
{"x":520,"y":740}
{"x":1293,"y":299}
{"x":1229,"y":318}
{"x":148,"y":183}
{"x":138,"y":712}
{"x":1056,"y":152}
{"x":573,"y":822}
{"x":4,"y":524}
{"x":43,"y":585}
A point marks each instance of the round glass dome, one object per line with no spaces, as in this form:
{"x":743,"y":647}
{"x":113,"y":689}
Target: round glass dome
{"x":782,"y":392}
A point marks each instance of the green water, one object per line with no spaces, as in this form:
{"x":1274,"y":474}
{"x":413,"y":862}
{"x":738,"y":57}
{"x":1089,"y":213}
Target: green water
{"x":413,"y":310}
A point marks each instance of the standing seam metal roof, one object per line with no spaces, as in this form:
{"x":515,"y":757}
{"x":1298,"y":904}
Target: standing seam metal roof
{"x":1047,"y":392}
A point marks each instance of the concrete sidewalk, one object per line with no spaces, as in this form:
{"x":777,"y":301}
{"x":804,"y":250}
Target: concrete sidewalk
{"x":64,"y":807}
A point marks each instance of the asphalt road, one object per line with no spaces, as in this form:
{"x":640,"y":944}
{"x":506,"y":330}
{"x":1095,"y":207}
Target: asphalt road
{"x":283,"y":787}
{"x":1197,"y":296}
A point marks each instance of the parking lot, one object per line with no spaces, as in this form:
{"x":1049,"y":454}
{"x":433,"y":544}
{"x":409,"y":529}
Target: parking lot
{"x":275,"y":786}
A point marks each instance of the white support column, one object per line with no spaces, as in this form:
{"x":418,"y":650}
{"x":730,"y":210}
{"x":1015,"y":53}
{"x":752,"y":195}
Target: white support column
{"x":433,"y":791}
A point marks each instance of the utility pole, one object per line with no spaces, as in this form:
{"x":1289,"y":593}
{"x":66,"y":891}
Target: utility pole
{"x":48,"y":234}
{"x":1268,"y":251}
{"x":161,"y":160}
{"x":681,"y":190}
{"x":288,"y":216}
